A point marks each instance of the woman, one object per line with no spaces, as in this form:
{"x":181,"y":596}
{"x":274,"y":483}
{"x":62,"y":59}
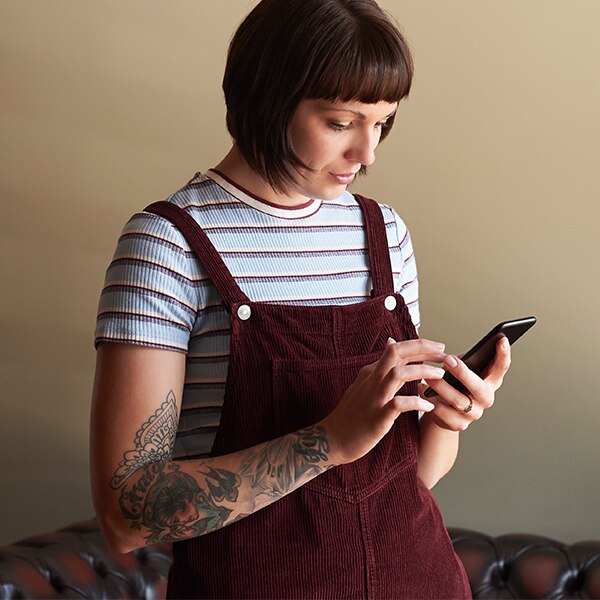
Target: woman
{"x":257,"y":388}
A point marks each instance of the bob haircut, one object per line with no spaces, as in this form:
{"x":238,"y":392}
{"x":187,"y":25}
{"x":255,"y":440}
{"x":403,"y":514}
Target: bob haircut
{"x":286,"y":51}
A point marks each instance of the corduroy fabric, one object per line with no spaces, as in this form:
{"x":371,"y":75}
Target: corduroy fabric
{"x":368,"y":529}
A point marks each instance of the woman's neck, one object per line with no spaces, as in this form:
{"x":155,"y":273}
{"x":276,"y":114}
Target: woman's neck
{"x":235,"y":168}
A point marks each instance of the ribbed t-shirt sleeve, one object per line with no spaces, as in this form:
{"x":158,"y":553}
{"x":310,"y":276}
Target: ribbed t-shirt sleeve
{"x":404,"y":267}
{"x":151,"y":289}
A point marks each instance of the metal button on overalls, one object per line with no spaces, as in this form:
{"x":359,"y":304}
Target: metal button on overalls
{"x":390,"y":303}
{"x":244,"y":312}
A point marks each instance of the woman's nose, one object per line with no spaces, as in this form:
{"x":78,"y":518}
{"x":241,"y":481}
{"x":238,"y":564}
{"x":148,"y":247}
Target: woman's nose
{"x":363,"y":148}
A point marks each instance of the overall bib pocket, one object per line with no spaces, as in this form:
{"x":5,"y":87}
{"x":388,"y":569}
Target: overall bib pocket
{"x":306,"y":391}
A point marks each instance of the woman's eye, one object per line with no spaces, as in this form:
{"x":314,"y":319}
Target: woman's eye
{"x":338,"y":126}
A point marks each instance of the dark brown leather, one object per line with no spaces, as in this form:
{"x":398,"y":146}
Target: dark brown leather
{"x":75,"y":562}
{"x":528,"y":566}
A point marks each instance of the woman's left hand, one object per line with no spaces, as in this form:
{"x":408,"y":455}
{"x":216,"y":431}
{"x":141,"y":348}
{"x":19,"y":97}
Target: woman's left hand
{"x":455,"y":410}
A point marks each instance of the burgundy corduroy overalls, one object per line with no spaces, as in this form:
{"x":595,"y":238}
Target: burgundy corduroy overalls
{"x":369,"y":529}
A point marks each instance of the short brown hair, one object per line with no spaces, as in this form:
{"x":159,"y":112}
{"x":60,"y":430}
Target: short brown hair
{"x":289,"y":50}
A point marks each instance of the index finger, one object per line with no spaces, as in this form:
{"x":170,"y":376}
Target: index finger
{"x":407,"y":352}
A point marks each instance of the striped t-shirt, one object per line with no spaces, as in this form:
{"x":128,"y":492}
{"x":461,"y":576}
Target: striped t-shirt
{"x":157,"y":294}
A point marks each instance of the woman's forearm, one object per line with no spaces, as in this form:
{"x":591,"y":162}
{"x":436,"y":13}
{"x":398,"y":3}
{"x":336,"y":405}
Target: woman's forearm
{"x":173,"y":500}
{"x":438,"y":448}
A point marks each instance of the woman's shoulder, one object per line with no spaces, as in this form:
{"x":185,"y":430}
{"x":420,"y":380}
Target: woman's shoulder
{"x":390,"y":215}
{"x":199,"y":196}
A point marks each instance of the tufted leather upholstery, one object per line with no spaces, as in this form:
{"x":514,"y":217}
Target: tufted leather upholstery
{"x":528,"y":566}
{"x":75,"y":562}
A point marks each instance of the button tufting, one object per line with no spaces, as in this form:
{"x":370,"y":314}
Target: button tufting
{"x":390,"y":302}
{"x":244,"y":312}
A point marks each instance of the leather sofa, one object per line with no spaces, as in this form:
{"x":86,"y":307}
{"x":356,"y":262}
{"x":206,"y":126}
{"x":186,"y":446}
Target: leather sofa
{"x":522,"y":565}
{"x":75,"y":562}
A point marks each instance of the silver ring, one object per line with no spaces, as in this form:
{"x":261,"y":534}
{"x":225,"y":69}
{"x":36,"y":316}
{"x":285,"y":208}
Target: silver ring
{"x":468,"y":409}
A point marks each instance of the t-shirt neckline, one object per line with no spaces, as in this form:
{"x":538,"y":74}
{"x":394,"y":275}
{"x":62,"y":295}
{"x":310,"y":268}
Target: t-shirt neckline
{"x":276,"y":210}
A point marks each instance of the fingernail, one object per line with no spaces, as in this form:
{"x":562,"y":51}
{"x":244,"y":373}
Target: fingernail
{"x":450,"y":361}
{"x":391,"y":340}
{"x":427,"y":406}
{"x":505,"y":343}
{"x":439,"y":345}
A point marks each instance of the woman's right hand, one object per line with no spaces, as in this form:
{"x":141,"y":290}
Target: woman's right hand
{"x":369,"y":406}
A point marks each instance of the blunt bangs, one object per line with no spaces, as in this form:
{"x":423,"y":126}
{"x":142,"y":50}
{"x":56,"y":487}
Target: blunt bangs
{"x":286,"y":51}
{"x":367,"y":66}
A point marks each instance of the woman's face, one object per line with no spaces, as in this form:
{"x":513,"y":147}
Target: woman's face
{"x":334,"y":139}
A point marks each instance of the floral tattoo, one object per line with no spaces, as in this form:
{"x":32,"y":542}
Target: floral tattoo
{"x":169,"y":504}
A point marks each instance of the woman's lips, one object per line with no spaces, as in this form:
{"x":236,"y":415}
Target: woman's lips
{"x":343,"y":178}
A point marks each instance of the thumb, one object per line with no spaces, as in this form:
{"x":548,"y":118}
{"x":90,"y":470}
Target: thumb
{"x":401,"y":404}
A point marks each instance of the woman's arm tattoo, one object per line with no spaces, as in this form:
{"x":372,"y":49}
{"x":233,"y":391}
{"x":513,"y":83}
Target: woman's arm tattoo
{"x":153,"y":442}
{"x":276,"y":468}
{"x":171,"y":504}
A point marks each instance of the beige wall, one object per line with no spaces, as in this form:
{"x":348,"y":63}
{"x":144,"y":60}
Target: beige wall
{"x":107,"y":105}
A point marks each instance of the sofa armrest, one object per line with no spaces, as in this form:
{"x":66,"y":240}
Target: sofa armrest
{"x":76,"y":562}
{"x":528,"y":566}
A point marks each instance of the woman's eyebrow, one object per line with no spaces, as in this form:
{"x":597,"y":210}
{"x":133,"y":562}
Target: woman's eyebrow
{"x":358,"y":113}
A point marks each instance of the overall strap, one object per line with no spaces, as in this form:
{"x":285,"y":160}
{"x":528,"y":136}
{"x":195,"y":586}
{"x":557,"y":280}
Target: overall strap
{"x":377,"y":244}
{"x":203,"y":248}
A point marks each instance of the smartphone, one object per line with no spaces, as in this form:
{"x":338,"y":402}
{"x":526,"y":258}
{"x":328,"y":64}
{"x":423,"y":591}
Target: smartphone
{"x":483,"y":352}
